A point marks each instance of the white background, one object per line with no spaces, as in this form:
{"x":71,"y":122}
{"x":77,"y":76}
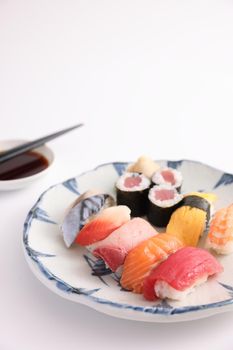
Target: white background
{"x":146,"y":77}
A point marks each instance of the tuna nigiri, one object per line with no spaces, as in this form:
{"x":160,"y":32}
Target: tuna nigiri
{"x":220,"y":236}
{"x":189,"y":221}
{"x":177,"y":276}
{"x":103,"y":224}
{"x":143,"y":258}
{"x":120,"y":242}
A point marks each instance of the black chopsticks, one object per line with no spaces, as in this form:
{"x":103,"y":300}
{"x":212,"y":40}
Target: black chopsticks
{"x":13,"y":152}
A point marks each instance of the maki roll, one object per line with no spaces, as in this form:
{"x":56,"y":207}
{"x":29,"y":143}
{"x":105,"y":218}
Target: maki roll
{"x":190,"y":220}
{"x":132,"y":191}
{"x":163,"y":201}
{"x":169,"y":176}
{"x":177,"y":276}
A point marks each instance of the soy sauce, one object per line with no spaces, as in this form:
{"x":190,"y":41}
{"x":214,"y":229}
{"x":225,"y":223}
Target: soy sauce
{"x":26,"y":164}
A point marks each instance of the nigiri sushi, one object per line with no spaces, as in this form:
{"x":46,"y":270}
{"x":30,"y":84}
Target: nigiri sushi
{"x":143,"y":258}
{"x":144,"y":165}
{"x":177,"y":276}
{"x":189,"y":221}
{"x":102,"y":224}
{"x":81,"y":211}
{"x":220,"y":236}
{"x":119,"y":243}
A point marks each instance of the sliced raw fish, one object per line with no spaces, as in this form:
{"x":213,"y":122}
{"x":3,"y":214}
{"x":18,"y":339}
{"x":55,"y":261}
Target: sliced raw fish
{"x":102,"y":224}
{"x":168,"y":176}
{"x":164,"y":194}
{"x":132,"y":181}
{"x":143,"y":258}
{"x":180,"y":272}
{"x":114,"y":249}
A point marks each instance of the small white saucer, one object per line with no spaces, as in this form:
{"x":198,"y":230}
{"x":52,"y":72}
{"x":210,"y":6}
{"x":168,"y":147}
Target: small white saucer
{"x":7,"y":185}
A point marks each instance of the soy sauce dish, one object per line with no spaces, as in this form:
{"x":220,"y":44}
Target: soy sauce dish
{"x":24,"y":169}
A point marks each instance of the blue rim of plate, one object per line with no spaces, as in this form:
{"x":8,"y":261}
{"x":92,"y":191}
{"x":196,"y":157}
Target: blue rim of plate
{"x":160,"y":309}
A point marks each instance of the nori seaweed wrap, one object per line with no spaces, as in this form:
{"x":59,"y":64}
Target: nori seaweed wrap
{"x":132,"y":190}
{"x":163,"y":201}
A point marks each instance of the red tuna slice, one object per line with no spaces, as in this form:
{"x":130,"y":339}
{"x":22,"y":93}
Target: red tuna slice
{"x":114,"y":249}
{"x":164,"y":194}
{"x":132,"y":181}
{"x":103,"y":224}
{"x":181,"y":270}
{"x":112,"y":256}
{"x":168,"y":176}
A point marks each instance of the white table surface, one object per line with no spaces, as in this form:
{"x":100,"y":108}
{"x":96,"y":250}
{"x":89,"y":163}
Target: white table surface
{"x":146,"y":77}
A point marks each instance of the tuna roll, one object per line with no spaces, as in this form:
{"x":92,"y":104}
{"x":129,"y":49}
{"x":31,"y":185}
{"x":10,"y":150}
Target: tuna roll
{"x":132,"y":190}
{"x":169,"y":176}
{"x":163,"y":201}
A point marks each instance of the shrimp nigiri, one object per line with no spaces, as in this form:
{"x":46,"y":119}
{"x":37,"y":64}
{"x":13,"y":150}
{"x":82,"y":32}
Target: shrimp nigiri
{"x":220,"y":236}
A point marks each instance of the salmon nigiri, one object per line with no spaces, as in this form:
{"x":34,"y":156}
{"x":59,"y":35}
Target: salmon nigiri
{"x":220,"y":236}
{"x":102,"y":224}
{"x":143,"y":258}
{"x":114,"y":248}
{"x":177,"y":276}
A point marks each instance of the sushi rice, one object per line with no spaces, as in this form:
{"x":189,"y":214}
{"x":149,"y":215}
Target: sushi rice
{"x":170,"y":199}
{"x":164,"y":290}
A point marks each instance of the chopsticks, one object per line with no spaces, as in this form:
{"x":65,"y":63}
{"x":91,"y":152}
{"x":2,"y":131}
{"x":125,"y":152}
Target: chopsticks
{"x":13,"y":152}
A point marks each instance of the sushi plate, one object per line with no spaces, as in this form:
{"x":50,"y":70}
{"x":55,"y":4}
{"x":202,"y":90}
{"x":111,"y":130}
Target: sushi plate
{"x":77,"y":276}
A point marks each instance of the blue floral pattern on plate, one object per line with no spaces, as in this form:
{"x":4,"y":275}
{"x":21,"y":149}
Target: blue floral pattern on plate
{"x":92,"y":283}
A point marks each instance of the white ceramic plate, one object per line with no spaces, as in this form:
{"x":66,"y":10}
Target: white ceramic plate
{"x":8,"y":185}
{"x":75,"y":275}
